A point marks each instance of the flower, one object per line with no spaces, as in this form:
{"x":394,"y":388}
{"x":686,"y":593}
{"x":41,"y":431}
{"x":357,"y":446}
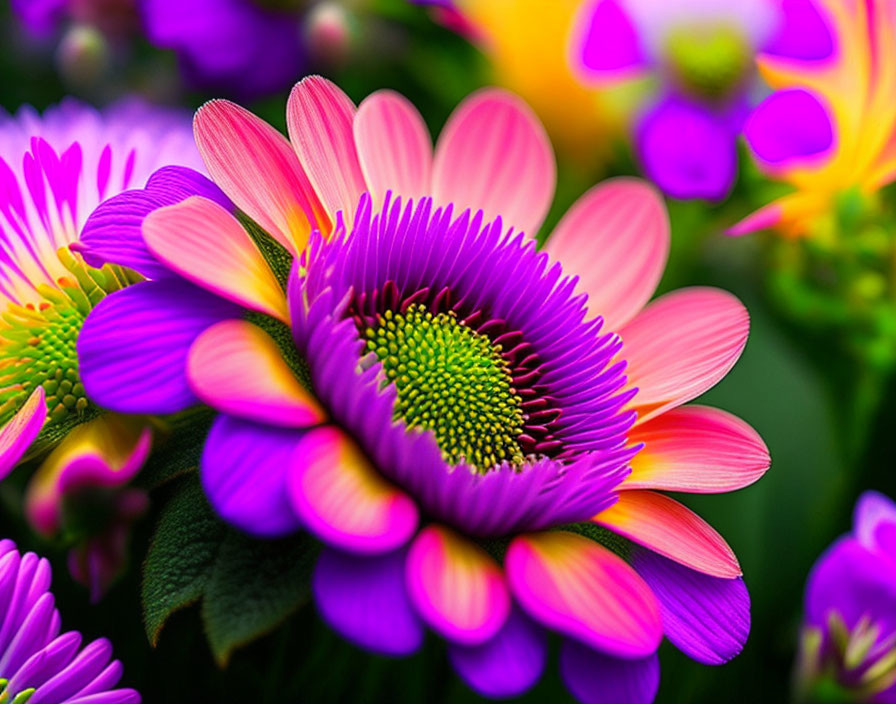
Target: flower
{"x":437,"y":401}
{"x":699,"y":54}
{"x":526,"y":43}
{"x":827,"y":130}
{"x":54,"y":170}
{"x":244,"y":47}
{"x":849,"y":631}
{"x":37,"y":664}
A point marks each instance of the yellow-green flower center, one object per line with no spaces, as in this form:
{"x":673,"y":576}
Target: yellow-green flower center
{"x":709,"y":60}
{"x":7,"y":697}
{"x":453,"y":381}
{"x":38,"y":343}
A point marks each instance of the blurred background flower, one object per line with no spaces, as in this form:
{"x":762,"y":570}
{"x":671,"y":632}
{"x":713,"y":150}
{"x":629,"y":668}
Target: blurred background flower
{"x":695,"y":62}
{"x":848,"y":641}
{"x":55,"y":168}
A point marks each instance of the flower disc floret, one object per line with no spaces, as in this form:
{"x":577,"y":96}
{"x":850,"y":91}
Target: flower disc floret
{"x":453,"y":381}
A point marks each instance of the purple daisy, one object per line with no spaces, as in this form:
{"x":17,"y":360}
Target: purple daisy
{"x":37,"y":664}
{"x":849,"y":636}
{"x":55,"y":168}
{"x":434,"y":399}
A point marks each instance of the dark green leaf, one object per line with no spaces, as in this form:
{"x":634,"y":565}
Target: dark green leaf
{"x":247,"y":586}
{"x":254,"y":586}
{"x":181,"y":556}
{"x":178,"y":450}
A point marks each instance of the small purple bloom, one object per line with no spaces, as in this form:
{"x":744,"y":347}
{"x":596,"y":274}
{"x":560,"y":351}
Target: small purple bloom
{"x":849,"y":633}
{"x":701,"y":54}
{"x":37,"y":664}
{"x":238,"y":46}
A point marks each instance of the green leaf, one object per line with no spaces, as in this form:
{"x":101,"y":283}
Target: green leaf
{"x":181,"y":556}
{"x":247,"y":586}
{"x":254,"y":586}
{"x":179,"y":452}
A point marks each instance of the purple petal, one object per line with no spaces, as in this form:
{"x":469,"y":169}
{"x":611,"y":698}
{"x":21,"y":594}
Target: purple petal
{"x":112,"y":232}
{"x":687,"y":150}
{"x":234,"y":45}
{"x":803,"y":33}
{"x":365,"y":600}
{"x":244,"y":467}
{"x":854,"y":582}
{"x":874,"y":521}
{"x":595,"y":678}
{"x":707,"y":618}
{"x":789,"y":126}
{"x":508,"y":664}
{"x":610,"y":45}
{"x":133,"y":347}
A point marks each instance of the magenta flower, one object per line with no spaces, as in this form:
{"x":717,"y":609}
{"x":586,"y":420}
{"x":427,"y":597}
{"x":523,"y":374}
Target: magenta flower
{"x":37,"y":664}
{"x":699,"y":54}
{"x":54,"y":170}
{"x":241,"y":47}
{"x":849,"y":635}
{"x":432,"y":397}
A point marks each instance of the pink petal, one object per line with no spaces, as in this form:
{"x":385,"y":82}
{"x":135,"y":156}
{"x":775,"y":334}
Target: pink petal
{"x":256,"y":167}
{"x":18,"y":434}
{"x":576,"y":586}
{"x":696,"y":449}
{"x":457,"y":588}
{"x":682,"y":344}
{"x":237,"y":368}
{"x":615,"y":238}
{"x":495,"y":156}
{"x":343,"y":500}
{"x":665,"y":526}
{"x":394,"y":146}
{"x":319,"y":120}
{"x":205,"y":244}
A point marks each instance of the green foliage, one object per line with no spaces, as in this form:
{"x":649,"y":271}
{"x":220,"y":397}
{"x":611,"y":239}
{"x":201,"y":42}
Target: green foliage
{"x":177,"y":447}
{"x":247,"y":586}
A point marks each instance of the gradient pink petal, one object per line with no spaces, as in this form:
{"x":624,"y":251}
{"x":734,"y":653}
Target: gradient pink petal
{"x":237,"y":368}
{"x":671,"y":529}
{"x":18,"y":434}
{"x":682,"y":344}
{"x":343,"y":500}
{"x":615,"y":238}
{"x":258,"y":170}
{"x":205,"y":244}
{"x":495,"y":156}
{"x":764,"y":218}
{"x":456,"y":587}
{"x":696,"y":449}
{"x":319,"y":120}
{"x":579,"y":588}
{"x":394,"y":146}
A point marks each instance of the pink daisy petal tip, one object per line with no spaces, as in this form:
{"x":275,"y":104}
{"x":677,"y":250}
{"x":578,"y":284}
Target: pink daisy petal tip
{"x":237,"y":368}
{"x":457,"y":588}
{"x":671,"y":529}
{"x":342,"y":499}
{"x":21,"y":430}
{"x":573,"y":585}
